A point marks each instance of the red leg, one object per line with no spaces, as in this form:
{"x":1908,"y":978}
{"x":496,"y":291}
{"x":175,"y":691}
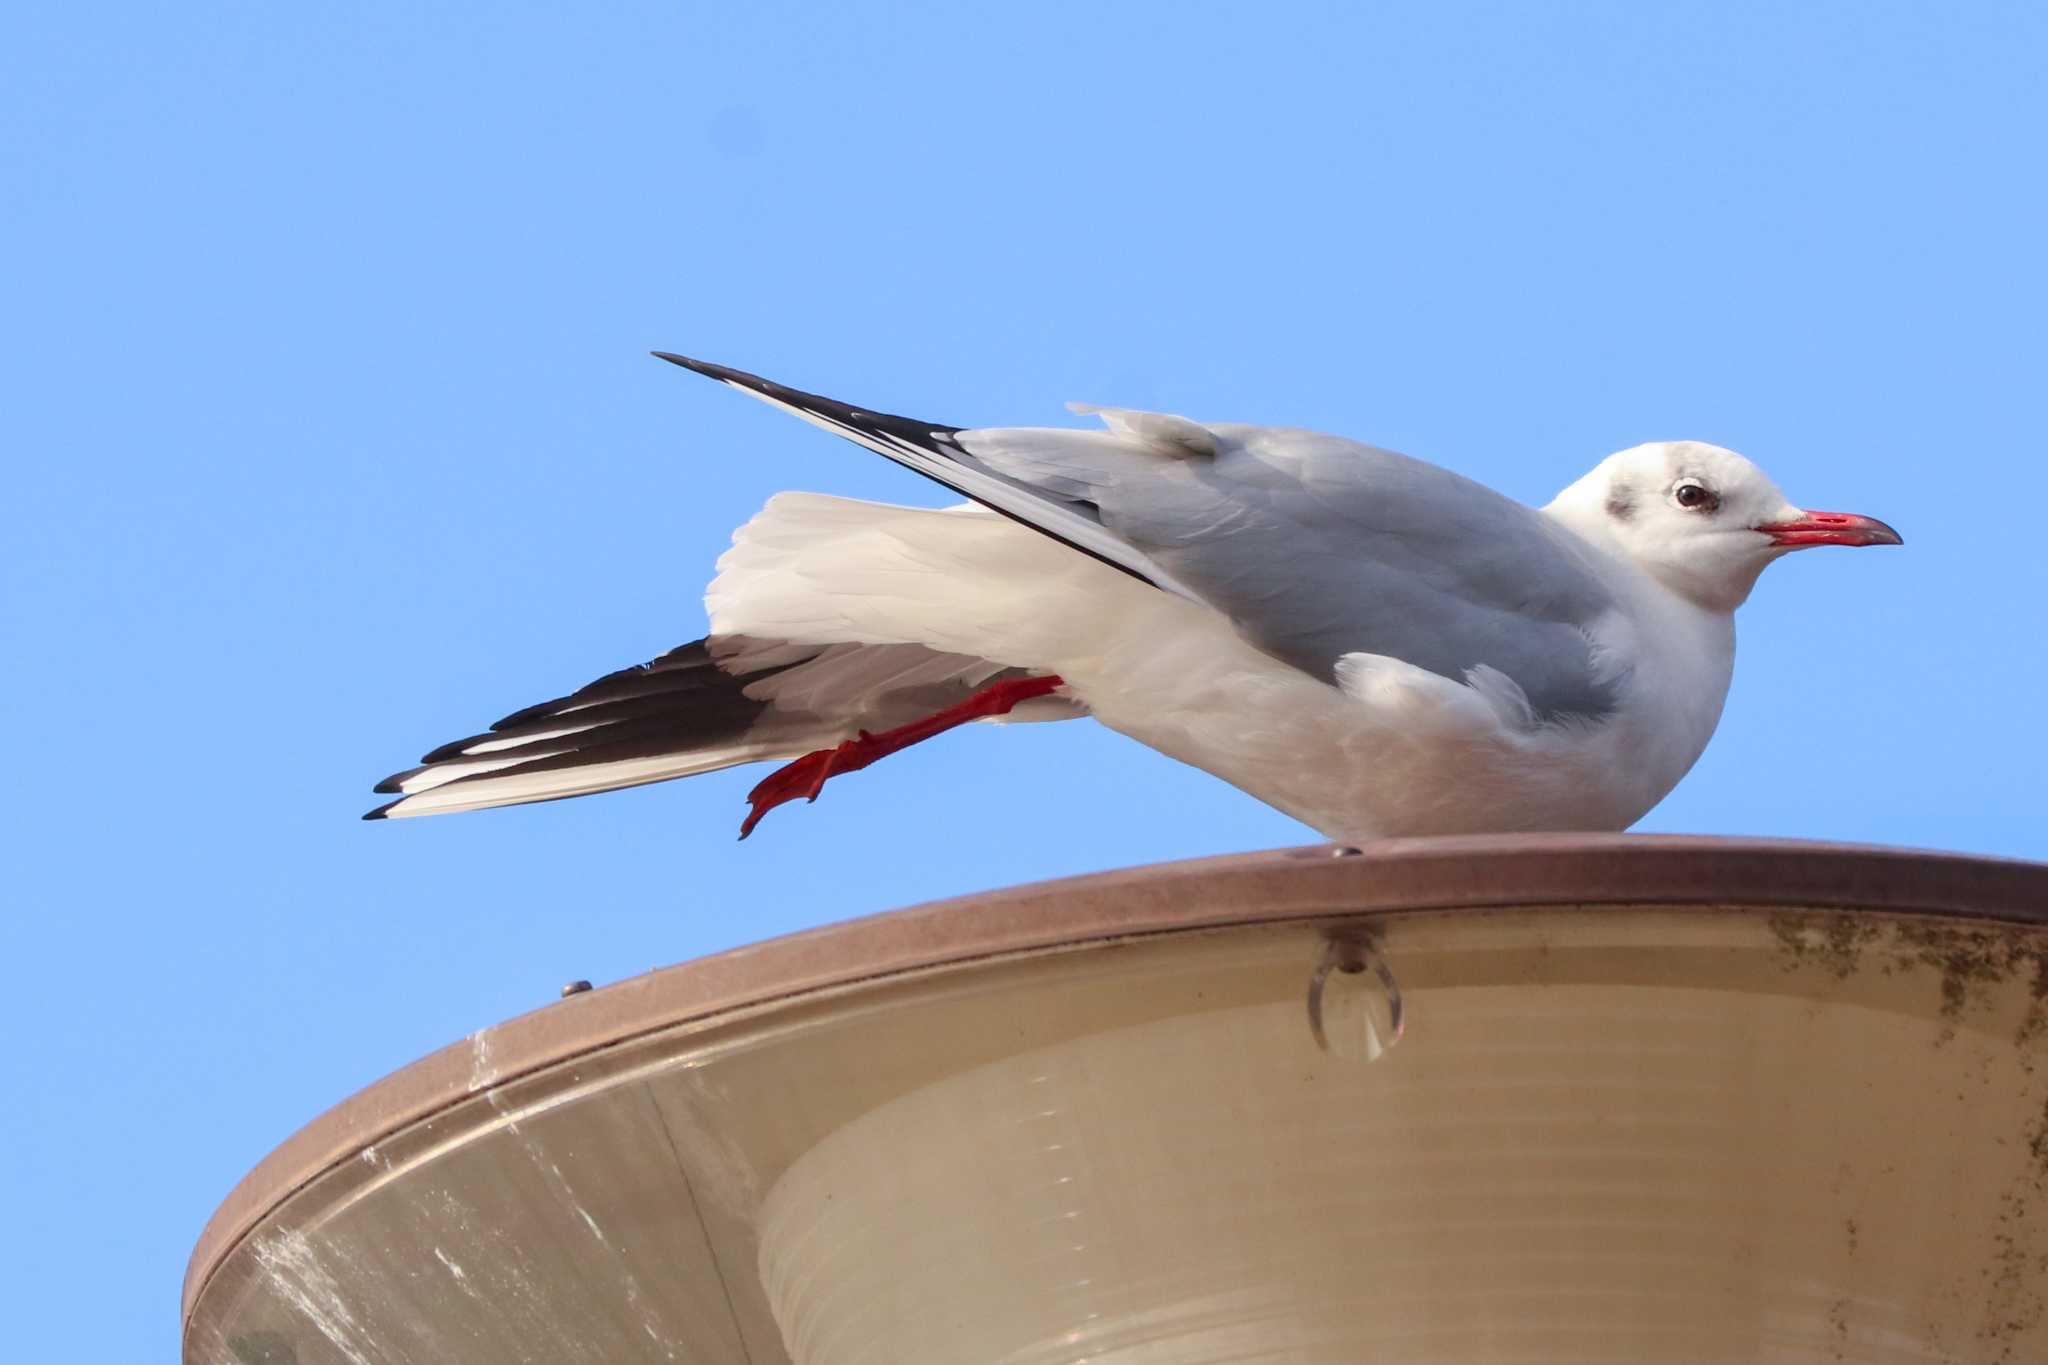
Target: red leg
{"x":806,"y":777}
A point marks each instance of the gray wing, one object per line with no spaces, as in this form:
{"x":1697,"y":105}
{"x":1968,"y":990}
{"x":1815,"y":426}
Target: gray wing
{"x":1314,"y":546}
{"x":1317,"y":547}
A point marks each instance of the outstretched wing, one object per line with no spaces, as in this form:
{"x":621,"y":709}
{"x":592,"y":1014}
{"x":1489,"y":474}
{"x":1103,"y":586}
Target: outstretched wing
{"x":709,"y":704}
{"x":1314,"y":546}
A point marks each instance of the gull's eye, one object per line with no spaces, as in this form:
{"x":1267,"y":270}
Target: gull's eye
{"x":1695,"y":497}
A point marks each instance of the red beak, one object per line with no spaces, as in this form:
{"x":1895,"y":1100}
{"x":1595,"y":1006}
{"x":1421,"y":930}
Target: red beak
{"x":1831,"y":528}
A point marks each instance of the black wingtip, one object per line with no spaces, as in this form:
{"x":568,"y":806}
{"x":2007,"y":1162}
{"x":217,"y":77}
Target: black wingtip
{"x":841,"y":414}
{"x":390,"y":784}
{"x":378,"y":814}
{"x":726,"y":374}
{"x":703,"y":367}
{"x":454,"y":748}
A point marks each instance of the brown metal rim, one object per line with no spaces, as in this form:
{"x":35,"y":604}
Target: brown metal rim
{"x":1478,"y":872}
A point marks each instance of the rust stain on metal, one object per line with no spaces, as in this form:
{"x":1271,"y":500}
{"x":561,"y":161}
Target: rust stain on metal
{"x":1973,"y":967}
{"x":2035,"y":1025}
{"x":1968,"y":960}
{"x":1972,"y":957}
{"x":1834,"y":943}
{"x":2014,"y":1302}
{"x":2013,"y":1307}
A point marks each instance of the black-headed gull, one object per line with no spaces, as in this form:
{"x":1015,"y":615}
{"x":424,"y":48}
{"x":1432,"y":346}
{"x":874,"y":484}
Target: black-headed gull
{"x":1370,"y":643}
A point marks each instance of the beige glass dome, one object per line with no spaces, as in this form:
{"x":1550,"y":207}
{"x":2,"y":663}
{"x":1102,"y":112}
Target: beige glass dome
{"x":1563,"y":1099}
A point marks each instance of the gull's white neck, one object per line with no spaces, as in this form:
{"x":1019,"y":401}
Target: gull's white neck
{"x":1683,"y":655}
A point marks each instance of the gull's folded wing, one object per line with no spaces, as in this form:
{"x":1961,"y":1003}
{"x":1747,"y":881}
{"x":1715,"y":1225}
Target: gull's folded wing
{"x":1314,"y":546}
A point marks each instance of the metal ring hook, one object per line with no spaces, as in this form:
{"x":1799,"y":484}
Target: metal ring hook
{"x":1352,"y":956}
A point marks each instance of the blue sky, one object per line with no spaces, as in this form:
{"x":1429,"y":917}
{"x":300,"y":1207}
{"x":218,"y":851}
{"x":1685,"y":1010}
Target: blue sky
{"x":331,"y":434}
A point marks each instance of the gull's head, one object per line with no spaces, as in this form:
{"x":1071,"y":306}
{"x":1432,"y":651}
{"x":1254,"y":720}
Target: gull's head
{"x":1701,"y":520}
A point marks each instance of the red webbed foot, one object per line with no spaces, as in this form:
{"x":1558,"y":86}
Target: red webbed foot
{"x":806,"y":777}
